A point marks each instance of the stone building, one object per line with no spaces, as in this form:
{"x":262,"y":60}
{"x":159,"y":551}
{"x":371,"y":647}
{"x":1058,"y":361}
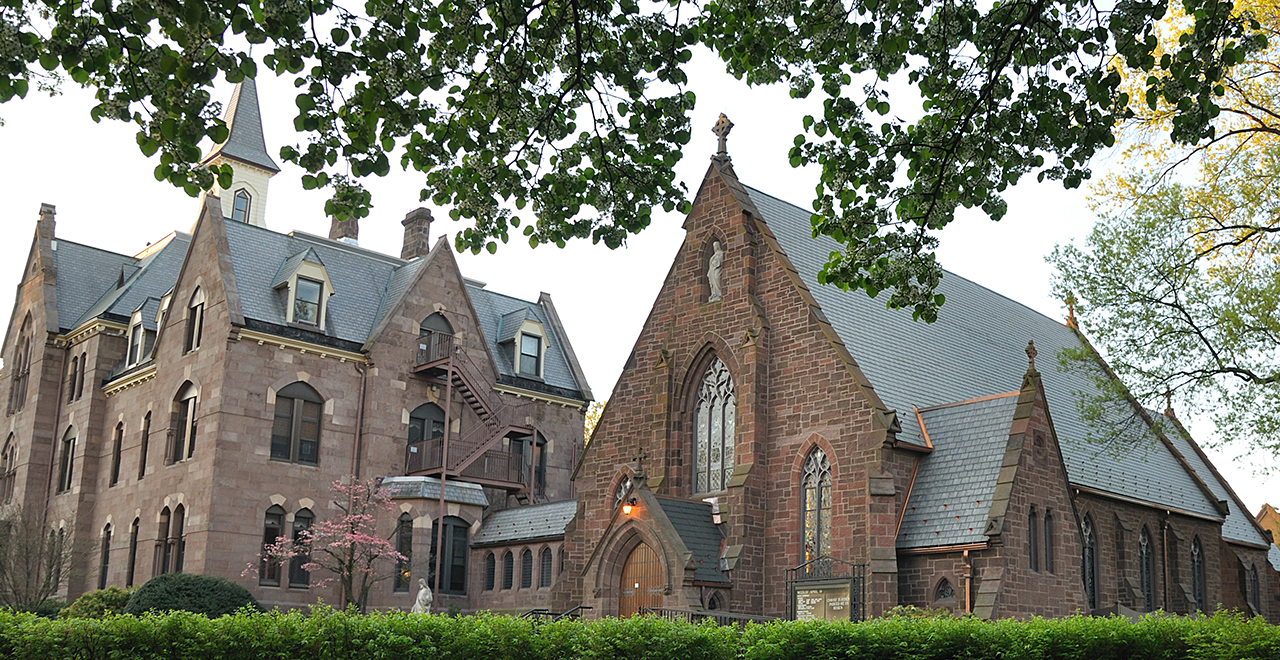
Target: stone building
{"x":765,"y":424}
{"x":181,"y":407}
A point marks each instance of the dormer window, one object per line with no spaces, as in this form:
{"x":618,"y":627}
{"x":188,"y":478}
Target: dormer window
{"x":306,"y":302}
{"x":240,"y":207}
{"x":530,"y":355}
{"x":307,"y":286}
{"x":135,"y":340}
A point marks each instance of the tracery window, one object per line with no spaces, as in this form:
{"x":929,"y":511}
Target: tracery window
{"x":1197,"y":573}
{"x":624,"y":487}
{"x":816,"y":493}
{"x":944,"y":590}
{"x":1089,"y":562}
{"x":1146,"y":570}
{"x":714,"y":427}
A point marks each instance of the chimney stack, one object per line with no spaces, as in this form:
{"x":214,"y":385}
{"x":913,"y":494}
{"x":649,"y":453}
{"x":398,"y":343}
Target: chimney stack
{"x":47,"y":213}
{"x":417,"y":234}
{"x":346,"y":231}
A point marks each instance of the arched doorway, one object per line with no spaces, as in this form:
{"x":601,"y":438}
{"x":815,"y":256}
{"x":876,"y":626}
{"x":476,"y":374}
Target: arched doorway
{"x":641,"y":581}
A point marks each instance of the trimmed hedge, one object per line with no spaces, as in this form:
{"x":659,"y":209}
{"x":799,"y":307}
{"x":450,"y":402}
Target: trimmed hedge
{"x":330,"y":634}
{"x":190,"y":592}
{"x":98,"y":604}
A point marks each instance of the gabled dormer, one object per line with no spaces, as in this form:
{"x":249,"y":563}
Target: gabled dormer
{"x":523,"y":335}
{"x":142,"y":332}
{"x":306,"y":287}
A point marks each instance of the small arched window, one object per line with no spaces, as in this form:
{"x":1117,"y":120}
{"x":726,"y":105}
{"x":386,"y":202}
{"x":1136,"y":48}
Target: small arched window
{"x":1089,"y":562}
{"x":21,"y":368}
{"x":67,"y":464}
{"x":71,"y":379}
{"x":183,"y":429}
{"x":178,"y":538}
{"x":508,"y":570}
{"x":404,"y":545}
{"x":130,"y":574}
{"x":816,"y":501}
{"x":1048,"y":541}
{"x":84,"y":369}
{"x":299,"y":576}
{"x":241,"y":201}
{"x":1146,"y":570}
{"x":8,"y":469}
{"x":544,"y":575}
{"x":117,"y":444}
{"x":490,"y":571}
{"x":144,"y":446}
{"x":1033,"y":539}
{"x":715,"y":416}
{"x":435,"y":339}
{"x":164,"y":551}
{"x":1197,"y":573}
{"x":295,"y":431}
{"x":272,"y":533}
{"x":526,"y":569}
{"x":104,"y":562}
{"x":195,"y":321}
{"x":944,"y":591}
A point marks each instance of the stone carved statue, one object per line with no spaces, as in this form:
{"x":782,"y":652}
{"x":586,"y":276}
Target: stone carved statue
{"x":422,"y":605}
{"x":714,"y":267}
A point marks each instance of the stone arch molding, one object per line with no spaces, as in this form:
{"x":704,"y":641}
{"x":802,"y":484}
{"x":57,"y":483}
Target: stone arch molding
{"x":618,"y":547}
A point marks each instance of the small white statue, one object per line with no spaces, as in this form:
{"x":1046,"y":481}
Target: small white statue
{"x":714,"y":266}
{"x":422,"y":605}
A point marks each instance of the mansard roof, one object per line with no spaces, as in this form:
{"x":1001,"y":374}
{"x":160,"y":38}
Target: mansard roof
{"x":976,"y":349}
{"x":955,"y":484}
{"x":245,"y":141}
{"x":94,"y":283}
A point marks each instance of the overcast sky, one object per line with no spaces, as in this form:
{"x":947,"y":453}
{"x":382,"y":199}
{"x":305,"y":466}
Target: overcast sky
{"x":107,"y":197}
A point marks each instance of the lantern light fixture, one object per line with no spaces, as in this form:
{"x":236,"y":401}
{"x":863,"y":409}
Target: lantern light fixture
{"x":626,"y":508}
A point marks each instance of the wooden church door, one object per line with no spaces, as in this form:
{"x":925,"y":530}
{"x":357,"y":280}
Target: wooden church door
{"x":641,"y":581}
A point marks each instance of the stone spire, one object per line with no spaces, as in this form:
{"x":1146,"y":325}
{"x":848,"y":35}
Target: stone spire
{"x":245,"y":149}
{"x":721,"y":129}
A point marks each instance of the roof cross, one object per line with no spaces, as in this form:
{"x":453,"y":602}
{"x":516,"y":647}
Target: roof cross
{"x":721,"y":129}
{"x":1031,"y":355}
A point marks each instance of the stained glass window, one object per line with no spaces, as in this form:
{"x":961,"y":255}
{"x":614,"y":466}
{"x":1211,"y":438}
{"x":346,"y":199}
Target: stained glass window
{"x":624,"y":486}
{"x":816,"y":487}
{"x":1146,"y":570}
{"x":714,"y":429}
{"x":1197,"y":573}
{"x":944,"y":591}
{"x":1089,"y":562}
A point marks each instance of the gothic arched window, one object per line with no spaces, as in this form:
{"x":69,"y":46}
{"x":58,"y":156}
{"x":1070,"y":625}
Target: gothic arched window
{"x":714,"y":416}
{"x":67,"y":465}
{"x":490,"y":571}
{"x":1146,"y":570}
{"x":816,"y":491}
{"x":944,"y":591}
{"x":8,"y":469}
{"x":1089,"y":562}
{"x":1033,"y":539}
{"x":1197,"y":573}
{"x":240,"y":207}
{"x":1255,"y":594}
{"x":21,"y":368}
{"x":1048,"y":542}
{"x":624,"y":487}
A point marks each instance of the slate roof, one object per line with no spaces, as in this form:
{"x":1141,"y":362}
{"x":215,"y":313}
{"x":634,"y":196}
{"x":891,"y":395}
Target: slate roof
{"x":1239,"y":524}
{"x":245,"y":141}
{"x":290,"y":265}
{"x":692,"y":521}
{"x":523,"y":523}
{"x":150,"y":277}
{"x":955,"y":484}
{"x":429,"y":488}
{"x":491,"y":307}
{"x":83,"y":274}
{"x":976,"y":349}
{"x":1273,"y":556}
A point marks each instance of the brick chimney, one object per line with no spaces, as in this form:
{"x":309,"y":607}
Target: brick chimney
{"x":417,"y":234}
{"x":347,"y":231}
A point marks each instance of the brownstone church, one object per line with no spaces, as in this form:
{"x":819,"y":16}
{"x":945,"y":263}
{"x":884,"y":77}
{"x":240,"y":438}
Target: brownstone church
{"x":777,"y":447}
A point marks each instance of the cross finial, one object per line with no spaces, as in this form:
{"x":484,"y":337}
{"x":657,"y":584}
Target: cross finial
{"x":1168,"y":403}
{"x":721,"y":129}
{"x":1071,"y":309}
{"x":1031,"y":355}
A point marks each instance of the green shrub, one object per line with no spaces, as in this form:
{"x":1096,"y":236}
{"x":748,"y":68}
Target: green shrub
{"x":48,"y":609}
{"x":202,"y":594}
{"x":98,"y":604}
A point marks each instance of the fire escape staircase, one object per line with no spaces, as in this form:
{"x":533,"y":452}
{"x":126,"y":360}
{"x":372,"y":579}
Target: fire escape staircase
{"x":473,"y":455}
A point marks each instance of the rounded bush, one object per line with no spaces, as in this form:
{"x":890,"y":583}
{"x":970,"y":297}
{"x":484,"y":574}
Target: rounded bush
{"x":202,"y":594}
{"x":98,"y":604}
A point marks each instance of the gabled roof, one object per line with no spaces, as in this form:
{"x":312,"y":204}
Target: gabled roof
{"x":976,"y":349}
{"x":290,"y":265}
{"x":524,"y":523}
{"x":245,"y":142}
{"x":491,"y":307}
{"x":692,"y":521}
{"x":509,"y":324}
{"x":955,"y":484}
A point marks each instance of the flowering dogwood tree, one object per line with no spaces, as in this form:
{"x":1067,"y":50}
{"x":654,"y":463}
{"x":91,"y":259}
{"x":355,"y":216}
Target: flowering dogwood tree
{"x":347,"y":548}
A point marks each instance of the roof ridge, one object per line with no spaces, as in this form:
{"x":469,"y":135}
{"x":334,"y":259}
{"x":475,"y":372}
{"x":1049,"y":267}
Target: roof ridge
{"x":95,"y":248}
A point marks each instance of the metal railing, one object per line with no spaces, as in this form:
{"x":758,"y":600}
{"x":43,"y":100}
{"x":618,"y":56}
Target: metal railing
{"x":434,"y":347}
{"x":498,"y":463}
{"x":694,"y":616}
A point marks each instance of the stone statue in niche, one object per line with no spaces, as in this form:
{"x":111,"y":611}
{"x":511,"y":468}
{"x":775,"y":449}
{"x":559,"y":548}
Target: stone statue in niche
{"x":422,"y":605}
{"x":714,"y":267}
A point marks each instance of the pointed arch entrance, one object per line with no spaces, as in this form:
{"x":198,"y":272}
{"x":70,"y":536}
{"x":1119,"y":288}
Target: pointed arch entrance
{"x":642,"y":583}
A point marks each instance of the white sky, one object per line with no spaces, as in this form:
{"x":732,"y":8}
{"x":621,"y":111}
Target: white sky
{"x":107,"y":197}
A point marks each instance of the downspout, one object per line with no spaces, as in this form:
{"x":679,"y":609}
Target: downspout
{"x":968,"y":583}
{"x":444,"y":468}
{"x":358,"y":446}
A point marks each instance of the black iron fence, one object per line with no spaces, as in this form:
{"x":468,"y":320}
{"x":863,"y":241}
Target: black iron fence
{"x":695,"y":616}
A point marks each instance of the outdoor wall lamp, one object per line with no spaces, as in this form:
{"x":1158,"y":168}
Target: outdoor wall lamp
{"x":626,"y":508}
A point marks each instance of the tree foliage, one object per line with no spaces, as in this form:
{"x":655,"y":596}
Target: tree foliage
{"x":35,"y":560}
{"x":564,"y":119}
{"x":592,"y":419}
{"x":346,"y":549}
{"x":1179,"y":281}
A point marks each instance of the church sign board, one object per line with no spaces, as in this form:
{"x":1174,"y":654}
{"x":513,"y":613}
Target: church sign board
{"x":826,"y":589}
